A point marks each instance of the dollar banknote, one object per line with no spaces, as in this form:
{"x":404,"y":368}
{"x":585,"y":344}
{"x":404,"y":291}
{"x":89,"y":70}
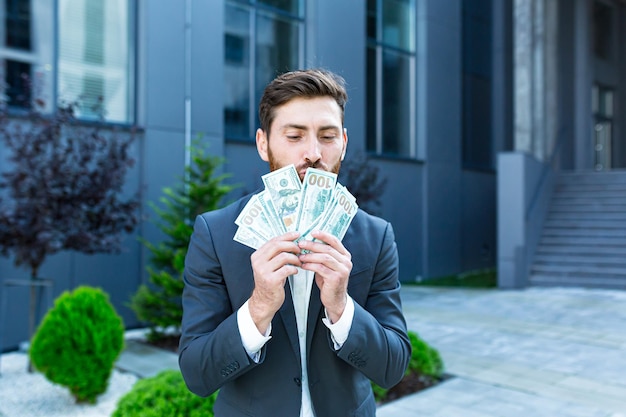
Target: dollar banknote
{"x":253,"y":218}
{"x":285,"y":190}
{"x":248,"y":237}
{"x":278,"y":227}
{"x":321,"y":203}
{"x":317,"y":196}
{"x":338,"y":216}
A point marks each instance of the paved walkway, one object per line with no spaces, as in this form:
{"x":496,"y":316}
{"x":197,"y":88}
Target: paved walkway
{"x":541,"y":352}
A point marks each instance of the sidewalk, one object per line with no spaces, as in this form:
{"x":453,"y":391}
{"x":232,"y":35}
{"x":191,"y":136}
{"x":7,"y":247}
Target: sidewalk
{"x":541,"y":352}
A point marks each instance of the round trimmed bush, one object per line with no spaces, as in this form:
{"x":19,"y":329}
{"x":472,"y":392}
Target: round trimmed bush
{"x":164,"y":395}
{"x":78,"y":341}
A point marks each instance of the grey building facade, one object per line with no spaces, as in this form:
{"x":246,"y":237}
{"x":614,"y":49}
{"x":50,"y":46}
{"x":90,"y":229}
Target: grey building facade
{"x":437,"y":90}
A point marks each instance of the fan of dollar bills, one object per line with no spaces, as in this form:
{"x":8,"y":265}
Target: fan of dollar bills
{"x":286,"y":204}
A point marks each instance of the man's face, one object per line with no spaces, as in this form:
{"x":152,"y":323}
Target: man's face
{"x":306,"y":132}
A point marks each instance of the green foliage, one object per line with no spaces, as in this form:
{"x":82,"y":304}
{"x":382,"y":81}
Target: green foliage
{"x":379,"y":392}
{"x":78,"y":341}
{"x":480,"y":278}
{"x":163,"y":395}
{"x":159,"y":303}
{"x":425,"y":361}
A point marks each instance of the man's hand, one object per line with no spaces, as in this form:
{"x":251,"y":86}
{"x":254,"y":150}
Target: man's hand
{"x":272,"y":263}
{"x":332,"y":264}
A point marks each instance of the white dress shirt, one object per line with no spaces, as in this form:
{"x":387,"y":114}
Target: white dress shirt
{"x":300,"y":285}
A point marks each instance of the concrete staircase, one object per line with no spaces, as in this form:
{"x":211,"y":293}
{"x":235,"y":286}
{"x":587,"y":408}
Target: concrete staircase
{"x":584,"y":237}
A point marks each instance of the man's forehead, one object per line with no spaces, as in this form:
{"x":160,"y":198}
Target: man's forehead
{"x":322,"y":112}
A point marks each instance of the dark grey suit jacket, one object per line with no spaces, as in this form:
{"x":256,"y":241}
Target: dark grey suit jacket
{"x":218,"y":280}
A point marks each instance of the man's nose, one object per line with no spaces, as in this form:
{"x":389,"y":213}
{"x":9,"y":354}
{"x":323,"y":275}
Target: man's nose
{"x":313,"y":151}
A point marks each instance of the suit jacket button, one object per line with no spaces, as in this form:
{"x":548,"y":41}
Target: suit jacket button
{"x":297,"y":381}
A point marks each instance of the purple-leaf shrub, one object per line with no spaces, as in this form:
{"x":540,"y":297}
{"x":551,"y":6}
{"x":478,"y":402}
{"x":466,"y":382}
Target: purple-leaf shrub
{"x":62,"y":187}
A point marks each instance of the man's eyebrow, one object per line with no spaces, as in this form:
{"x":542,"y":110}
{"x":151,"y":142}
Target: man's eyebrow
{"x":303,"y":127}
{"x":294,"y":126}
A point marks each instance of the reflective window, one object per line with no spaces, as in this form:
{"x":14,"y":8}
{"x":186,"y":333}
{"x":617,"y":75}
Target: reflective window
{"x":477,"y":134}
{"x":16,"y":53}
{"x":396,"y":103}
{"x":262,"y":39}
{"x":602,"y":20}
{"x":17,"y":89}
{"x":290,"y":6}
{"x":17,"y":20}
{"x":95,"y":64}
{"x":390,"y":77}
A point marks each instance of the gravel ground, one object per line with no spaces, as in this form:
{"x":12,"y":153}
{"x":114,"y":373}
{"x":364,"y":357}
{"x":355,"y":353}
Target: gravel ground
{"x":24,"y":394}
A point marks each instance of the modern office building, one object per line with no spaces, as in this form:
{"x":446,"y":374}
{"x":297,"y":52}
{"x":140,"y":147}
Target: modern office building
{"x":469,"y":109}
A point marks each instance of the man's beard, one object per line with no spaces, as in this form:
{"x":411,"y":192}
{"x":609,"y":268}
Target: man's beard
{"x":274,"y":165}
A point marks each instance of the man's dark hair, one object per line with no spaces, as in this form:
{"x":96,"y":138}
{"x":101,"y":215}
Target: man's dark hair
{"x":300,"y":84}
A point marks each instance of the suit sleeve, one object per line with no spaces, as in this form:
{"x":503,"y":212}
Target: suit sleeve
{"x":377,"y":344}
{"x":211,"y":350}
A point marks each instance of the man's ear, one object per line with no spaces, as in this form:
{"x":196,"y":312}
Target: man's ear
{"x":261,"y":144}
{"x":345,"y":143}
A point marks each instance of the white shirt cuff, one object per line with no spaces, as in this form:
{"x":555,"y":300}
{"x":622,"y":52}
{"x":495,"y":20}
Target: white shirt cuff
{"x":251,"y":338}
{"x":339,"y":331}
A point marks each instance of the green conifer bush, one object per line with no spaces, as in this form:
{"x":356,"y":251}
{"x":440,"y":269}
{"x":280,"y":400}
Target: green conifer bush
{"x":164,"y":395}
{"x":159,"y":303}
{"x":78,"y":342}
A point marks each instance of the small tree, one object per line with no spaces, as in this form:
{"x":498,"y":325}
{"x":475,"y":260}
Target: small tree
{"x":78,"y":342}
{"x":62,"y":189}
{"x":159,"y":304}
{"x":364,"y":181}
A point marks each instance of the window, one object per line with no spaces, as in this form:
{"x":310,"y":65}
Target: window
{"x":602,"y":30}
{"x":262,"y":39}
{"x":22,"y":64}
{"x":602,"y":105}
{"x":477,"y":134}
{"x":390,"y":77}
{"x":95,"y":65}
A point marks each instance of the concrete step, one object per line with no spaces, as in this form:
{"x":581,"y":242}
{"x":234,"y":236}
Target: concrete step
{"x":584,"y":241}
{"x":579,"y":203}
{"x":585,"y":187}
{"x":593,"y":215}
{"x":578,"y":199}
{"x":583,"y":223}
{"x":613,"y":272}
{"x":573,"y":250}
{"x":584,"y":232}
{"x":549,"y":280}
{"x":591,"y":177}
{"x":587,"y":260}
{"x":596,"y":194}
{"x":557,"y":209}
